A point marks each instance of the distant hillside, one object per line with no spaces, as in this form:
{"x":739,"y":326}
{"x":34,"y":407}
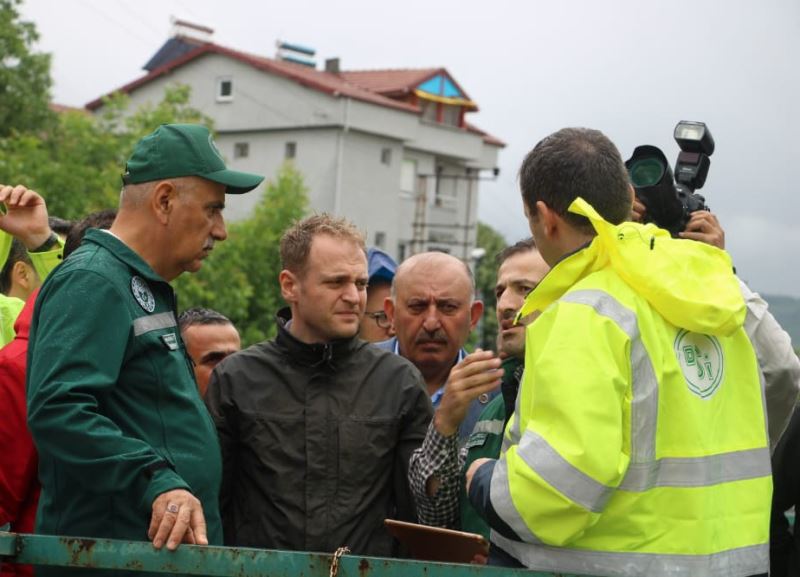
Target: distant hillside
{"x":787,"y":311}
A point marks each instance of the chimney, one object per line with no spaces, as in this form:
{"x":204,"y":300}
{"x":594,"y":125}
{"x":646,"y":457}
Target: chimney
{"x":191,"y":30}
{"x":332,"y":65}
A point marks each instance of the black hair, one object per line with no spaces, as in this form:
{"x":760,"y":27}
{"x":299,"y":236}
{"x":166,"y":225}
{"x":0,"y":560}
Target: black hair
{"x":101,"y":219}
{"x":17,"y":253}
{"x":572,"y":163}
{"x":201,"y":316}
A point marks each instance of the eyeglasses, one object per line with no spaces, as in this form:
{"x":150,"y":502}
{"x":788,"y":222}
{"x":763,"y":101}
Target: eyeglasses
{"x":380,"y":319}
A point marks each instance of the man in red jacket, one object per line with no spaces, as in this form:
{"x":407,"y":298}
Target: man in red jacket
{"x":19,"y":484}
{"x":19,"y":481}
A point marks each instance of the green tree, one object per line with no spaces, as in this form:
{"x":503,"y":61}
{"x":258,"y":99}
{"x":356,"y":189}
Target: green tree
{"x":24,"y":75}
{"x":76,"y":164}
{"x":240,"y":279}
{"x":492,"y":242}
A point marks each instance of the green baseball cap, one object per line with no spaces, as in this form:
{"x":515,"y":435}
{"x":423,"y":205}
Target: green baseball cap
{"x":175,"y":150}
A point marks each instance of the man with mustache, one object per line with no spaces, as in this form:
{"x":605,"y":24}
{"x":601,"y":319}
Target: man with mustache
{"x":433,"y":309}
{"x":435,"y":469}
{"x":126,"y":447}
{"x":317,"y":425}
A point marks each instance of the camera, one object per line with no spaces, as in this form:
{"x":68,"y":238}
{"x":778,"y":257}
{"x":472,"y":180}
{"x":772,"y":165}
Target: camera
{"x":669,"y":199}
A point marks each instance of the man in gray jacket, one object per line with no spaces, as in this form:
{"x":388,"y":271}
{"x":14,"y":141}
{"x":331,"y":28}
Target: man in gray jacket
{"x":316,"y":425}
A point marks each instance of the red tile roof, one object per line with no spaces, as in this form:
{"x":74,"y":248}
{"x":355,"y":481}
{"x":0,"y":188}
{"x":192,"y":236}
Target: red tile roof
{"x":398,"y":82}
{"x":58,"y":108}
{"x":373,"y":86}
{"x":487,"y":138}
{"x":316,"y":79}
{"x":390,"y":82}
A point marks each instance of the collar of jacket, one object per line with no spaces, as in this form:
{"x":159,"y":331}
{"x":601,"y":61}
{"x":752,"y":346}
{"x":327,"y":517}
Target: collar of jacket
{"x":123,"y":252}
{"x":691,"y":284}
{"x":315,"y":354}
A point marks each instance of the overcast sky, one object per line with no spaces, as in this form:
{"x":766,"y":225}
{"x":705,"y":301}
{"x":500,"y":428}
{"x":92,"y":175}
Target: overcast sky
{"x":632,"y":69}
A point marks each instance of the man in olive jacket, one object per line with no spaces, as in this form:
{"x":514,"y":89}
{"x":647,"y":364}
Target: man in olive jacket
{"x":126,"y":448}
{"x":317,"y":426}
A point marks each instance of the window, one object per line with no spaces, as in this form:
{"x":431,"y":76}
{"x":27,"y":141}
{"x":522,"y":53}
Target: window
{"x":291,"y":150}
{"x":386,"y":156}
{"x":446,"y":188}
{"x":241,"y":150}
{"x":428,"y":110}
{"x":408,"y":176}
{"x":401,"y":251}
{"x":380,"y":239}
{"x":452,"y":115}
{"x":224,"y":89}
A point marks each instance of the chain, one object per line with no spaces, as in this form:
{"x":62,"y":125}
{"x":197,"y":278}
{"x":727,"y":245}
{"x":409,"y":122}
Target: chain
{"x":335,"y":561}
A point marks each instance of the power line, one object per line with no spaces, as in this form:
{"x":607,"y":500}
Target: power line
{"x":113,"y":20}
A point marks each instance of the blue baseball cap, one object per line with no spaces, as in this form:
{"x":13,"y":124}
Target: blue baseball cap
{"x":380,"y":266}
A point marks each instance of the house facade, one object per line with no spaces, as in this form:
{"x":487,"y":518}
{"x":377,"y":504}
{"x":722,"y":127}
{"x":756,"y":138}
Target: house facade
{"x":389,"y":149}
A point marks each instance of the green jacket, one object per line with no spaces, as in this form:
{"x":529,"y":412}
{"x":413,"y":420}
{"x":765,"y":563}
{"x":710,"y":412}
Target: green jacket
{"x":486,"y":440}
{"x":112,"y":402}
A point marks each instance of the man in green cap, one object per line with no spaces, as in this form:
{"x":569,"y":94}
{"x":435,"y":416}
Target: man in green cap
{"x":126,"y":447}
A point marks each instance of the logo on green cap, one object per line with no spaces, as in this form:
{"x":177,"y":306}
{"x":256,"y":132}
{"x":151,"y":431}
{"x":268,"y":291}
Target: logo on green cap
{"x":214,"y":148}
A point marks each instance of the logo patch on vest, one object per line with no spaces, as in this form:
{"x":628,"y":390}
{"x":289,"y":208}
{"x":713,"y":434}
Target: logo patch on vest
{"x":476,"y":440}
{"x":142,"y":294}
{"x":702,"y":362}
{"x":171,"y":341}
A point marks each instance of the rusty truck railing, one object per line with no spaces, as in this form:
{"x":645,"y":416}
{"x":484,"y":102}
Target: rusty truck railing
{"x":224,"y":561}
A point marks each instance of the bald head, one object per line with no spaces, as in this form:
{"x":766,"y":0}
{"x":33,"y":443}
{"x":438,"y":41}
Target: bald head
{"x":433,"y":310}
{"x":430,"y":265}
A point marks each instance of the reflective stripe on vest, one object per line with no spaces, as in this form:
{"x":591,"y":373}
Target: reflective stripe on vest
{"x":492,"y":426}
{"x":644,"y":405}
{"x":740,"y":562}
{"x":504,"y":506}
{"x":155,"y":322}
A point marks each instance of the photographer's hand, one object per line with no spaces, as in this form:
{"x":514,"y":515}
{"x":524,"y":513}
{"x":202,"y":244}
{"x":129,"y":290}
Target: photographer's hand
{"x":704,"y":226}
{"x":638,"y":210}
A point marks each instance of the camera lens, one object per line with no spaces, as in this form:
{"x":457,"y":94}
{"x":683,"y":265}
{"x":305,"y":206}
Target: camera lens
{"x":646,"y":172}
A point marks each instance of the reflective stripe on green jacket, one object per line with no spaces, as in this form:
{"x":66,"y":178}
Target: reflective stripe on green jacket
{"x":639,"y":444}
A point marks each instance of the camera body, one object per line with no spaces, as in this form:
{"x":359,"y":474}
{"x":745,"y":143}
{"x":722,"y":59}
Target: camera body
{"x":669,"y":199}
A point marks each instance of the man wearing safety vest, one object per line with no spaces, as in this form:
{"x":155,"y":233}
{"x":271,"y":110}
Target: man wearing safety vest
{"x":638,"y":445}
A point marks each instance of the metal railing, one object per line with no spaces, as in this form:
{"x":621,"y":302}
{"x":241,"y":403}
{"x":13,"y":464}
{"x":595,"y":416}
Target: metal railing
{"x":224,"y":561}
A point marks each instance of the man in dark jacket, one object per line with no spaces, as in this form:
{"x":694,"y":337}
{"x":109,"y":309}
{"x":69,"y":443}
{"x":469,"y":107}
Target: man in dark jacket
{"x":317,"y":426}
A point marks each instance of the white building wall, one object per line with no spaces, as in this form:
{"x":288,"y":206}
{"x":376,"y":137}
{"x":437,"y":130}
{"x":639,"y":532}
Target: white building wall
{"x":338,"y":151}
{"x":259,"y":100}
{"x":370,"y":188}
{"x":315,"y":159}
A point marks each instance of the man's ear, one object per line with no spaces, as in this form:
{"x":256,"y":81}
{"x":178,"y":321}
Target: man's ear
{"x":289,"y":286}
{"x":549,"y":220}
{"x":388,"y":308}
{"x":23,"y":275}
{"x":475,"y":313}
{"x":162,"y":200}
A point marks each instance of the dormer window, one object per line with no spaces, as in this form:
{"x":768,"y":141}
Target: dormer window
{"x":224,"y":89}
{"x":442,"y":101}
{"x":451,"y":115}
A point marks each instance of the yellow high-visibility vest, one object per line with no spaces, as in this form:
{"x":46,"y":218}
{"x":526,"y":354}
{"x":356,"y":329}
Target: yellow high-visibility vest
{"x":639,"y":444}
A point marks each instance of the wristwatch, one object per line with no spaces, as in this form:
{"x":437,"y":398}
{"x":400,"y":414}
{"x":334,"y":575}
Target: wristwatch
{"x":51,"y":241}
